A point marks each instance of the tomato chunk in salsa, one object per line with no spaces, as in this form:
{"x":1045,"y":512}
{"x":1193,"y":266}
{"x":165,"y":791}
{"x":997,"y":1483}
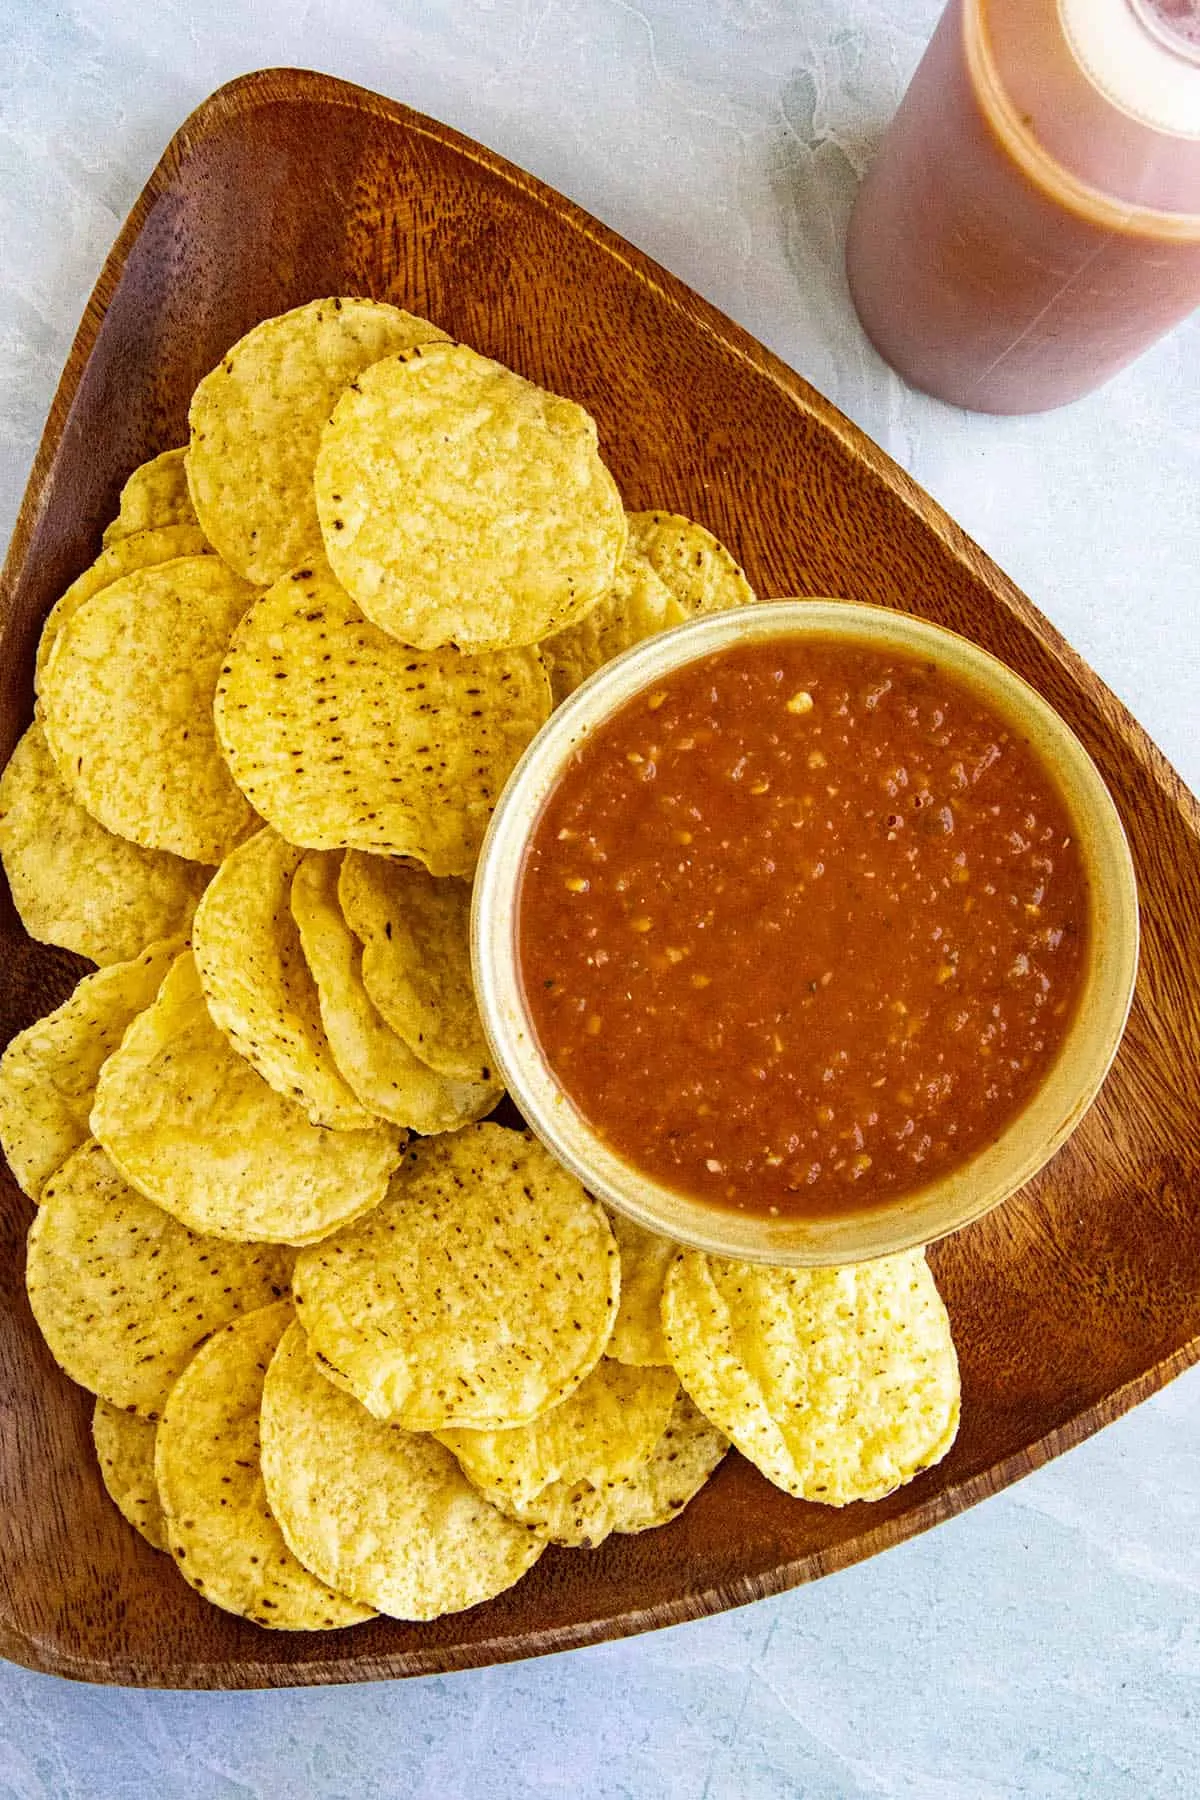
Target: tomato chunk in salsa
{"x":802,"y":926}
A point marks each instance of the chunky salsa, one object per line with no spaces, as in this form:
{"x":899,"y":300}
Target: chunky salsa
{"x":802,"y":926}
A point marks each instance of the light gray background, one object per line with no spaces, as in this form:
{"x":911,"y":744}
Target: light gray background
{"x":1047,"y":1644}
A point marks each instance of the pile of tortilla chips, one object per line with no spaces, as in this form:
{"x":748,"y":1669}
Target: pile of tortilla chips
{"x":354,"y":1349}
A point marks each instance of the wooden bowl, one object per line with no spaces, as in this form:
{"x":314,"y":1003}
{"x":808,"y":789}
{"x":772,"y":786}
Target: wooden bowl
{"x":1070,"y":1303}
{"x":953,"y":1199}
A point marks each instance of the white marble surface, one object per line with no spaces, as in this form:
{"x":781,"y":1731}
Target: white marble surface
{"x":1047,"y":1644}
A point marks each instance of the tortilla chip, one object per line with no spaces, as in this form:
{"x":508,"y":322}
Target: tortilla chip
{"x":607,"y":1429}
{"x":481,"y":1293}
{"x":155,"y":494}
{"x":140,"y":550}
{"x":220,"y":1529}
{"x":380,"y":1068}
{"x":839,"y":1384}
{"x":257,"y":984}
{"x":341,"y":738}
{"x":76,"y":884}
{"x":193,"y":1127}
{"x":638,"y":605}
{"x":256,"y":424}
{"x":416,"y":962}
{"x":48,"y":1073}
{"x":637,"y":1337}
{"x":582,"y":1515}
{"x":462,"y":505}
{"x":701,"y":573}
{"x":125,"y":1295}
{"x":126,"y":696}
{"x":125,"y":1447}
{"x":377,"y":1512}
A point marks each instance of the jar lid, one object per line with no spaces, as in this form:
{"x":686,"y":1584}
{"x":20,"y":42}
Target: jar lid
{"x":1143,"y":56}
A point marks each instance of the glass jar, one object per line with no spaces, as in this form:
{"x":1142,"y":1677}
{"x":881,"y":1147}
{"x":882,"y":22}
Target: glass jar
{"x":1032,"y":220}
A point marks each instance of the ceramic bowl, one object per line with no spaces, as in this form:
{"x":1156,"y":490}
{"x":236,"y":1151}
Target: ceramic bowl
{"x":954,"y":1198}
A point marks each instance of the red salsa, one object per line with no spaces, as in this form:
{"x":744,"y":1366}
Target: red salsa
{"x":802,"y":926}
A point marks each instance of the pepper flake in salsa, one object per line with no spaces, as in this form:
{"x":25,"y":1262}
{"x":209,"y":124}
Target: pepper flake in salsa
{"x":802,"y":926}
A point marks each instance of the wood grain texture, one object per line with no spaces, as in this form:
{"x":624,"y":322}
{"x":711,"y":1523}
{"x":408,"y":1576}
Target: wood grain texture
{"x":1069,"y":1305}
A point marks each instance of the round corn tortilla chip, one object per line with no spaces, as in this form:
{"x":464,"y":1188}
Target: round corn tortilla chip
{"x":140,"y":550}
{"x":701,"y":573}
{"x":75,"y":884}
{"x":155,"y":494}
{"x":462,"y":505}
{"x":638,"y":605}
{"x":637,"y":1337}
{"x":256,"y":424}
{"x":481,"y":1292}
{"x":127,"y":707}
{"x":582,"y":1515}
{"x":416,"y":962}
{"x":193,"y":1127}
{"x":838,"y":1384}
{"x":257,"y":984}
{"x":125,"y":1447}
{"x":220,"y":1529}
{"x":601,"y":1433}
{"x":378,"y":1512}
{"x":381,"y":1069}
{"x":340,"y":737}
{"x":124,"y":1295}
{"x":48,"y":1073}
